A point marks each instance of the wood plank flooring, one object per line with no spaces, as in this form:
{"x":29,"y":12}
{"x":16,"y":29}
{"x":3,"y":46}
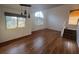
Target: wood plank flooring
{"x":41,"y":42}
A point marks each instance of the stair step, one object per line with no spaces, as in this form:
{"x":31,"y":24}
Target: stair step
{"x":69,"y":34}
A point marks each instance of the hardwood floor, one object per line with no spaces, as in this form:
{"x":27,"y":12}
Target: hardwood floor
{"x":41,"y":42}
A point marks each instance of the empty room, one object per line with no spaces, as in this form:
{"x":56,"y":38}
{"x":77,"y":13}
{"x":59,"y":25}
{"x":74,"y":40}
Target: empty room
{"x":39,"y":28}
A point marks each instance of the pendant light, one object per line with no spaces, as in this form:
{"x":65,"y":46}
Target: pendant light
{"x":29,"y":15}
{"x":25,"y":12}
{"x":21,"y":11}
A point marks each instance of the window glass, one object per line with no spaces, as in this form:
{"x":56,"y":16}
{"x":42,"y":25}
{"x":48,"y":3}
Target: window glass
{"x":39,"y":18}
{"x":39,"y":14}
{"x":39,"y":21}
{"x":11,"y":22}
{"x":21,"y":22}
{"x":73,"y":20}
{"x":73,"y":17}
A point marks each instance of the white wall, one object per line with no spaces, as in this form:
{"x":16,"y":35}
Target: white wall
{"x":59,"y":16}
{"x":39,"y":27}
{"x":6,"y":34}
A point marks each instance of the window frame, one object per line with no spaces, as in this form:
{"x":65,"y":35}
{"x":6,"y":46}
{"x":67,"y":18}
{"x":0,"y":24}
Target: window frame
{"x":14,"y":15}
{"x":71,"y":11}
{"x":39,"y":17}
{"x":18,"y":22}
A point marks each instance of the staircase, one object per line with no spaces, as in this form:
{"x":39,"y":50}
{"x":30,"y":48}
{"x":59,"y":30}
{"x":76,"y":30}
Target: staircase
{"x":70,"y":34}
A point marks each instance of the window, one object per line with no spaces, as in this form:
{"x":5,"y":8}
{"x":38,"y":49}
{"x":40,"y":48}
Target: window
{"x":39,"y":18}
{"x":73,"y":17}
{"x":21,"y":22}
{"x":13,"y":22}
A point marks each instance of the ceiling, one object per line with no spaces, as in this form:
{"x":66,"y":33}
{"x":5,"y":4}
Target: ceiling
{"x":35,"y":7}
